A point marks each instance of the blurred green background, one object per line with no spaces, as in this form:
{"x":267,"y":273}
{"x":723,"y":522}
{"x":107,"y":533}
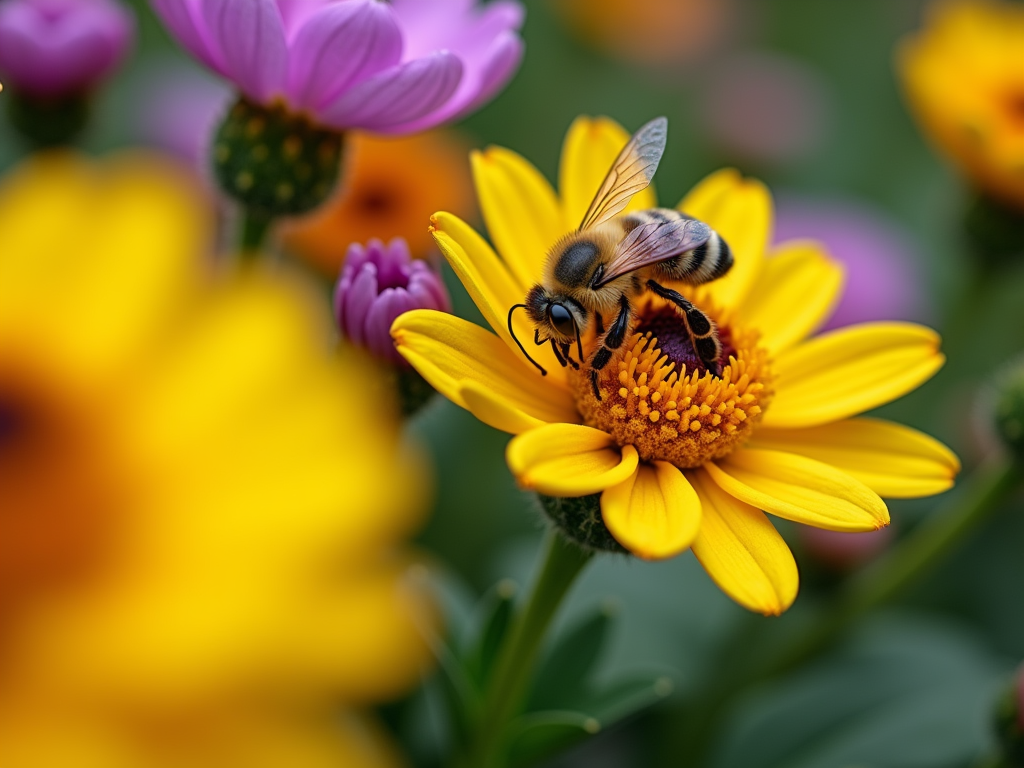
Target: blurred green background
{"x":811,"y":105}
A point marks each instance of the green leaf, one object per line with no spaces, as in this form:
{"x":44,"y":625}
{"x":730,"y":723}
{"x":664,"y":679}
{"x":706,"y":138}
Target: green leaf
{"x":484,"y":642}
{"x":540,"y":735}
{"x":905,"y":694}
{"x":462,"y":701}
{"x":561,"y":678}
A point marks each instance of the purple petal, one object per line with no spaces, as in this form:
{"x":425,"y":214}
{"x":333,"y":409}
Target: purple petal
{"x":184,"y":21}
{"x":389,"y":305}
{"x":397,"y":95}
{"x":250,"y":33}
{"x":479,"y":84}
{"x":339,"y":46}
{"x":358,"y":299}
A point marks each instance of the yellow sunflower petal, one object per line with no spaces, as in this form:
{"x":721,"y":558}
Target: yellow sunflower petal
{"x":654,"y":513}
{"x":849,"y":371}
{"x":569,"y":460}
{"x":449,"y":352}
{"x":740,"y":210}
{"x":522,"y":213}
{"x":800,"y":489}
{"x":742,"y":552}
{"x":796,"y":291}
{"x":493,"y":288}
{"x":590,"y":148}
{"x":892,"y":460}
{"x":495,"y":411}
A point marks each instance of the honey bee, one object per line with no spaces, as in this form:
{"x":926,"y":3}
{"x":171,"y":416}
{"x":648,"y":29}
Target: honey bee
{"x":599,"y":270}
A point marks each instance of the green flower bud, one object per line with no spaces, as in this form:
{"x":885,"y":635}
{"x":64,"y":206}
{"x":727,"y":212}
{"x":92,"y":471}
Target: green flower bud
{"x":1009,"y":408}
{"x":579,"y":520}
{"x":274,"y":162}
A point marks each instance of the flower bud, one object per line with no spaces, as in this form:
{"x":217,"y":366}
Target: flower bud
{"x":52,"y":54}
{"x":378,"y":283}
{"x":1009,"y":408}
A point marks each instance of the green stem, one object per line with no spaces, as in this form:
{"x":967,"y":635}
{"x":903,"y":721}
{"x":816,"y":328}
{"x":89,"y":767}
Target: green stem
{"x":254,"y":229}
{"x":905,"y":563}
{"x":562,"y":562}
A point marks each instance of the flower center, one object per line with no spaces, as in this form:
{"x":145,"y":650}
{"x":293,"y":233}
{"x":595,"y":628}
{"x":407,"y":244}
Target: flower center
{"x":657,"y":396}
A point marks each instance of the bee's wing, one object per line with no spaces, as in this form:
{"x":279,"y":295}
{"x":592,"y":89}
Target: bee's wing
{"x":653,"y":242}
{"x":631,"y":172}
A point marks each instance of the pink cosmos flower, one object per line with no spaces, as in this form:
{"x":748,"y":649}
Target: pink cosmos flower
{"x":53,"y":48}
{"x":395,"y":68}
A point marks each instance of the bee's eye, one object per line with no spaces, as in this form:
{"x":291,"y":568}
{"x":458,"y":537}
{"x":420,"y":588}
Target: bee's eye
{"x":561,"y":320}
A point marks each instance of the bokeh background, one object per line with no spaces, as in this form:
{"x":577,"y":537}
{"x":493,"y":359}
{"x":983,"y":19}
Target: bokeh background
{"x":804,"y":95}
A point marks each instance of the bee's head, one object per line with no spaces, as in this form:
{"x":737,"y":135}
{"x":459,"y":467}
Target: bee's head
{"x":561,"y":316}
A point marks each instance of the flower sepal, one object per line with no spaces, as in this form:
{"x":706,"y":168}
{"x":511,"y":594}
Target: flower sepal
{"x":578,"y":519}
{"x":274,"y":162}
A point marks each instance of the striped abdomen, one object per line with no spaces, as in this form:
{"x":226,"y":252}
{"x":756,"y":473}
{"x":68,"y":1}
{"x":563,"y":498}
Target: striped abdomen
{"x":701,"y":265}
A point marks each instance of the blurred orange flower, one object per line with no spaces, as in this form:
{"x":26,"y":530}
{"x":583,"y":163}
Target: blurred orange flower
{"x":964,"y":78}
{"x":199,"y":564}
{"x":390,"y":187}
{"x":649,"y":31}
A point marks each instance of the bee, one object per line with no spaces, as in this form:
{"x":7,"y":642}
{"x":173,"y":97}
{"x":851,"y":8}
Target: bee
{"x":602,"y":268}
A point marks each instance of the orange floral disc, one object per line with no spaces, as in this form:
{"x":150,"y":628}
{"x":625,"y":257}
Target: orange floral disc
{"x":658,"y":397}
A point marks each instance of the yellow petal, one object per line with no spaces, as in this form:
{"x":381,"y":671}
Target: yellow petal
{"x":890,"y":459}
{"x":848,"y":371}
{"x":742,"y":552}
{"x":796,"y":291}
{"x":740,"y":210}
{"x":522,"y":213}
{"x":569,"y":460}
{"x":654,"y":513}
{"x":590,"y":148}
{"x":493,"y":288}
{"x":496,"y":411}
{"x":800,"y":489}
{"x":449,"y":352}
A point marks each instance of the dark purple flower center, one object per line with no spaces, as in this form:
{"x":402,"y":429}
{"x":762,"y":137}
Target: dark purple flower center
{"x":673,"y":340}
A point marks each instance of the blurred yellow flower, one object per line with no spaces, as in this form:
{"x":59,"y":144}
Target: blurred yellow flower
{"x":200,"y":558}
{"x":682,"y":458}
{"x":964,"y":78}
{"x":389,"y":189}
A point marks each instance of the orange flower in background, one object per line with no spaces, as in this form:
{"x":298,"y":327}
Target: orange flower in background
{"x":200,"y":547}
{"x":390,"y":188}
{"x":964,"y":78}
{"x":681,"y":30}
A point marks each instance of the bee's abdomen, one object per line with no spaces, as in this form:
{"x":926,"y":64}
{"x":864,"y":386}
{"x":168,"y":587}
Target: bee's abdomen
{"x":701,"y":265}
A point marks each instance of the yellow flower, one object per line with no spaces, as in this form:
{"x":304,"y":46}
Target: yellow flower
{"x":391,"y":187}
{"x":200,"y":558}
{"x":964,"y":77}
{"x":682,"y":458}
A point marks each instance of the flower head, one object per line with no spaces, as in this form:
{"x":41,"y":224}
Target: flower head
{"x":392,"y":185}
{"x":964,"y":80}
{"x":396,"y":68}
{"x":677,"y":456}
{"x":201,"y":560}
{"x":378,"y":283}
{"x":53,"y":48}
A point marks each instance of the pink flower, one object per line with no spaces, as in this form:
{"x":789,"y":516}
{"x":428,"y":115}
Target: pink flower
{"x":54,"y":48}
{"x":397,"y":67}
{"x":378,"y":283}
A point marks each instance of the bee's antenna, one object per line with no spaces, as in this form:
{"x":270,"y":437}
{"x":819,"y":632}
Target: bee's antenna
{"x":519,"y":343}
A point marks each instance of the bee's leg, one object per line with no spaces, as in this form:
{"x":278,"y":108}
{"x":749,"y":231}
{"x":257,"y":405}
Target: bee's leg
{"x":536,"y":337}
{"x":558,"y":355}
{"x":702,"y":331}
{"x":612,"y":340}
{"x":568,"y":356}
